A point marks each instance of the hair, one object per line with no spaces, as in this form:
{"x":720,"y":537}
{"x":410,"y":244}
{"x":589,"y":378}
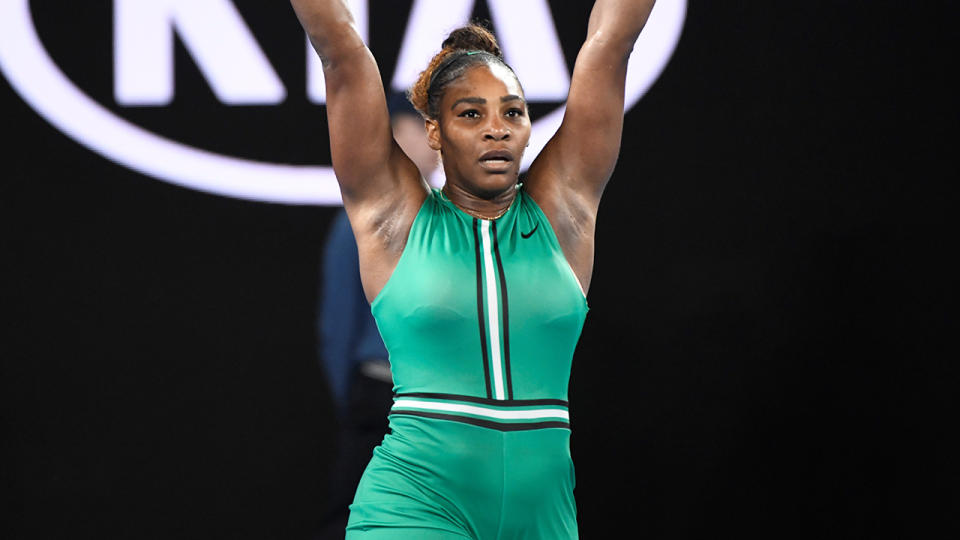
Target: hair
{"x":464,"y":48}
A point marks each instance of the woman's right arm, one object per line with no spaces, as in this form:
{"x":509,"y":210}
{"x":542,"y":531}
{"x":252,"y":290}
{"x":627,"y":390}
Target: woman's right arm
{"x":367,"y":161}
{"x":382,"y":189}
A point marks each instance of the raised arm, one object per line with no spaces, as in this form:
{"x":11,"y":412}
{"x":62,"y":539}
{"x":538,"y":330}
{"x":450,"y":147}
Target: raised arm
{"x":381,"y":187}
{"x":369,"y":165}
{"x":569,"y":175}
{"x":584,"y":150}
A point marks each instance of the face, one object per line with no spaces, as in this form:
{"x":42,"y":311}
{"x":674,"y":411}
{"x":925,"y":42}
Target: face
{"x":482,"y":130}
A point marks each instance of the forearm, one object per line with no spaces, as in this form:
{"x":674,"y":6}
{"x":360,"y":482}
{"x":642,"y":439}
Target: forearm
{"x":617,"y":24}
{"x":330,"y":26}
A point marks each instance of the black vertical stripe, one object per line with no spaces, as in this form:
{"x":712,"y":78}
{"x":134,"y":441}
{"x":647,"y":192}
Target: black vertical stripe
{"x":480,"y":317}
{"x":506,"y":319}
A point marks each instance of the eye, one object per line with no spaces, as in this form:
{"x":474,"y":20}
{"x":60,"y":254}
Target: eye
{"x":514,"y":113}
{"x":470,"y":113}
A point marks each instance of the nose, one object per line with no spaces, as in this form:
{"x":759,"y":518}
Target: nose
{"x":496,"y":130}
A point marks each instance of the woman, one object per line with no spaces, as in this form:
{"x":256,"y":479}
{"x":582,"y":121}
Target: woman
{"x":479,"y":288}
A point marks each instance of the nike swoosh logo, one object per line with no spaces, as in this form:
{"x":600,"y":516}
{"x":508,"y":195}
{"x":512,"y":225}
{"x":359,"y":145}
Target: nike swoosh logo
{"x":529,"y":234}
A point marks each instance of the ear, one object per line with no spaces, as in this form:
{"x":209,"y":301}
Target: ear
{"x":433,"y":134}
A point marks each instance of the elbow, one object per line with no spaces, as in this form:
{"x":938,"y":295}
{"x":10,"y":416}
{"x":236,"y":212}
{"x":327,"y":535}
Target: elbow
{"x":610,"y":45}
{"x":334,"y":40}
{"x":618,"y":27}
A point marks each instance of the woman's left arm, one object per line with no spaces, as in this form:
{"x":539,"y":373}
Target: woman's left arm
{"x":568,"y":177}
{"x":584,"y":150}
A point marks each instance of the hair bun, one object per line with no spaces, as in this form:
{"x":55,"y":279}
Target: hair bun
{"x":473,"y":37}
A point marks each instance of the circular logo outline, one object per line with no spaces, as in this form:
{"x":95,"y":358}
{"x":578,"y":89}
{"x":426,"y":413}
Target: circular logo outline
{"x":40,"y":83}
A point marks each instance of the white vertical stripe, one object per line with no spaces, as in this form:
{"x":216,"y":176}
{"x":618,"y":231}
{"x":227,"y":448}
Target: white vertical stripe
{"x":493,"y":310}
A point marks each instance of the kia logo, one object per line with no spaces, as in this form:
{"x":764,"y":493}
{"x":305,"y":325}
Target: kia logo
{"x":229,"y":57}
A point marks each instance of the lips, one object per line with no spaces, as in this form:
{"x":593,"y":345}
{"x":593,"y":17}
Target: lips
{"x":496,"y":156}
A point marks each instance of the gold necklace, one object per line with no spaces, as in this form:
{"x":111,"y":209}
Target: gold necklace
{"x":478,"y":216}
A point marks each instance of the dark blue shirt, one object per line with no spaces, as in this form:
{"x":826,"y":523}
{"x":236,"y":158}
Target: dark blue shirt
{"x":347,"y":331}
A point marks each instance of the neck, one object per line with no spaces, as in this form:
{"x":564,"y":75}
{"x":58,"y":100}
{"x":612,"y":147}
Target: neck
{"x":480,"y":207}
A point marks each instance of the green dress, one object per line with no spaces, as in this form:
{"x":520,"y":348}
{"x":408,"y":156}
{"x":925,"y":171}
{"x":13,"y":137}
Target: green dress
{"x":480,"y":319}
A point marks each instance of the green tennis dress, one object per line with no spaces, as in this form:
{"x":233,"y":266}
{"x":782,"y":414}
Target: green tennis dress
{"x":480,"y":318}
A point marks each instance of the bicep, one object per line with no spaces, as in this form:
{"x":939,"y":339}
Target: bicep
{"x":362,"y":148}
{"x":361,"y":144}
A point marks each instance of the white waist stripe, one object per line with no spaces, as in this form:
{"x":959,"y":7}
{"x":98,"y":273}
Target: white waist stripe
{"x":529,"y":414}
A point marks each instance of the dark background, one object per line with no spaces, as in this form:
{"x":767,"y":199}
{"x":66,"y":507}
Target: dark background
{"x":764,"y":352}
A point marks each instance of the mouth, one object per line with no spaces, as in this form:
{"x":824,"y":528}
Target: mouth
{"x":496,"y":159}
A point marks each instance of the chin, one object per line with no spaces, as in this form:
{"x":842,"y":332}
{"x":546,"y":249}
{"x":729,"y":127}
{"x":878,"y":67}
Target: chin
{"x":495,"y":184}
